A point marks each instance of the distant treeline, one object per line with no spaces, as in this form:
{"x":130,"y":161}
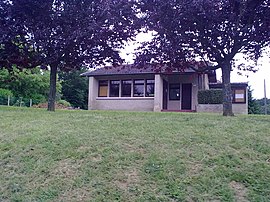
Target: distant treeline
{"x":261,"y":107}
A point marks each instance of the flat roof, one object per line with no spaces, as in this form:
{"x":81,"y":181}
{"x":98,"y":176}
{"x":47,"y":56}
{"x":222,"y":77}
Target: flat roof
{"x":237,"y":84}
{"x":131,"y":69}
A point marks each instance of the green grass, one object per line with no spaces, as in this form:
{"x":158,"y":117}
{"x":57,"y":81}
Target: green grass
{"x":132,"y":156}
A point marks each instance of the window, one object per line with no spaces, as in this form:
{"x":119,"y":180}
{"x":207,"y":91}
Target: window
{"x":114,"y":88}
{"x":150,"y":88}
{"x":174,"y":91}
{"x":138,"y":88}
{"x":239,"y":96}
{"x":126,"y":88}
{"x":103,"y":89}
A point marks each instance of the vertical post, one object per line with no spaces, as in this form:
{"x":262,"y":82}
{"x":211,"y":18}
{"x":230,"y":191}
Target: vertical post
{"x":158,"y":98}
{"x":20,"y":101}
{"x":265,"y":99}
{"x":8,"y":102}
{"x":31,"y":102}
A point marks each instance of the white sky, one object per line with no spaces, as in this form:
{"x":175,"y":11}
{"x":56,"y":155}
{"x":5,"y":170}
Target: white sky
{"x":255,"y":80}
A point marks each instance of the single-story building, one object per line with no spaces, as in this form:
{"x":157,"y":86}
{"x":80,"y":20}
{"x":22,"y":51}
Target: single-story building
{"x":129,"y":87}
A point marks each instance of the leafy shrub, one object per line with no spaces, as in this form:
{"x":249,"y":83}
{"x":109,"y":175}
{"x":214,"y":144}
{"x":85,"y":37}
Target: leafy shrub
{"x":64,"y":102}
{"x":212,"y":96}
{"x":38,"y":98}
{"x":5,"y":92}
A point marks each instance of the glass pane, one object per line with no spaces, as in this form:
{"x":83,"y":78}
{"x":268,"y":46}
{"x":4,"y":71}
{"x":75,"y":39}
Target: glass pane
{"x":103,"y":91}
{"x":103,"y":88}
{"x":126,"y":82}
{"x":239,"y":96}
{"x":115,"y":82}
{"x":150,"y":90}
{"x":103,"y":83}
{"x":138,"y":90}
{"x":174,"y":92}
{"x":139,"y":82}
{"x":126,"y":88}
{"x":114,"y":88}
{"x":150,"y":81}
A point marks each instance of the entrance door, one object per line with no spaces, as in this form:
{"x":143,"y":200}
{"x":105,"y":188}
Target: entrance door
{"x":186,"y":96}
{"x":165,"y":94}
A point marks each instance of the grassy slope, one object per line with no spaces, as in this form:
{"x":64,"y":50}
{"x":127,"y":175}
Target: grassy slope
{"x":132,"y":156}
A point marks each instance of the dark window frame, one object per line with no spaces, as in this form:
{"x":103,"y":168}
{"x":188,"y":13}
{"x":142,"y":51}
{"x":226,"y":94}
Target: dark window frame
{"x":128,"y":84}
{"x":149,"y":82}
{"x":100,"y":84}
{"x":174,"y":86}
{"x":138,"y":84}
{"x":110,"y":87}
{"x":233,"y":96}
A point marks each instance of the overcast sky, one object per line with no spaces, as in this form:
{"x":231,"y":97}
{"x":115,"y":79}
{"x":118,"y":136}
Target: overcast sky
{"x":255,"y":80}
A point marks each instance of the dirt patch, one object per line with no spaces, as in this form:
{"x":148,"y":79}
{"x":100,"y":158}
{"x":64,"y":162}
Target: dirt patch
{"x":130,"y":178}
{"x":45,"y":105}
{"x":67,"y":168}
{"x":92,"y":156}
{"x":96,"y":158}
{"x":78,"y":194}
{"x":195,"y":169}
{"x":132,"y":148}
{"x":240,"y":191}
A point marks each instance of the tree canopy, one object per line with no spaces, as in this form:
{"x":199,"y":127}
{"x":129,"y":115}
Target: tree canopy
{"x":64,"y":34}
{"x":74,"y":88}
{"x":209,"y":31}
{"x":27,"y":83}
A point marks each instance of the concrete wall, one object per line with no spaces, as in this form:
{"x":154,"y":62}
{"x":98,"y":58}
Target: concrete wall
{"x":93,"y":93}
{"x":174,"y":104}
{"x":129,"y":104}
{"x":218,"y":108}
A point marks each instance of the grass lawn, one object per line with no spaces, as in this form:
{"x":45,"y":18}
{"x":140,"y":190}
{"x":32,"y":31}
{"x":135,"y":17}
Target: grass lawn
{"x":132,"y":156}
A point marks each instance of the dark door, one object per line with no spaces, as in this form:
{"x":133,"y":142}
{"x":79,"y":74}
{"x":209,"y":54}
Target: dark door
{"x":186,"y":96}
{"x":165,"y":94}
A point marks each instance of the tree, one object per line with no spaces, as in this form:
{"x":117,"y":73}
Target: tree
{"x":27,"y":83}
{"x":74,"y":88}
{"x":253,"y":106}
{"x":260,"y":102}
{"x":209,"y":31}
{"x":64,"y":34}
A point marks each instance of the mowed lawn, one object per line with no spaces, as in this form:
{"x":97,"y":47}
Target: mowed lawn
{"x":132,"y":156}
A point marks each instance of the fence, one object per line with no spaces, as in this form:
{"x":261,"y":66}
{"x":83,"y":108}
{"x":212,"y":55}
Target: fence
{"x":16,"y":101}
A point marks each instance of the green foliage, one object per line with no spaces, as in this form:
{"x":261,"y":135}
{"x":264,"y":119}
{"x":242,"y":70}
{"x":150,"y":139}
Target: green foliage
{"x":260,"y":102}
{"x":74,"y":88}
{"x":27,"y":83}
{"x":5,"y":92}
{"x":253,"y":106}
{"x":64,"y":102}
{"x":212,"y":96}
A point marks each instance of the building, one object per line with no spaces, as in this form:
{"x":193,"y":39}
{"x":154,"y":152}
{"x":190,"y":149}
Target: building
{"x":129,"y":87}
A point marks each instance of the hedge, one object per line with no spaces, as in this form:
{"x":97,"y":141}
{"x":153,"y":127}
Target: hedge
{"x":212,"y":96}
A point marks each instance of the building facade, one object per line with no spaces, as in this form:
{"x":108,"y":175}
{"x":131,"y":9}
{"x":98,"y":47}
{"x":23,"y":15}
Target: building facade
{"x":144,"y":89}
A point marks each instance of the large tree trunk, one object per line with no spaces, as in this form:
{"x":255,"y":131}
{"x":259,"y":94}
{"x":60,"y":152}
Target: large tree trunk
{"x":52,"y":93}
{"x":227,"y":90}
